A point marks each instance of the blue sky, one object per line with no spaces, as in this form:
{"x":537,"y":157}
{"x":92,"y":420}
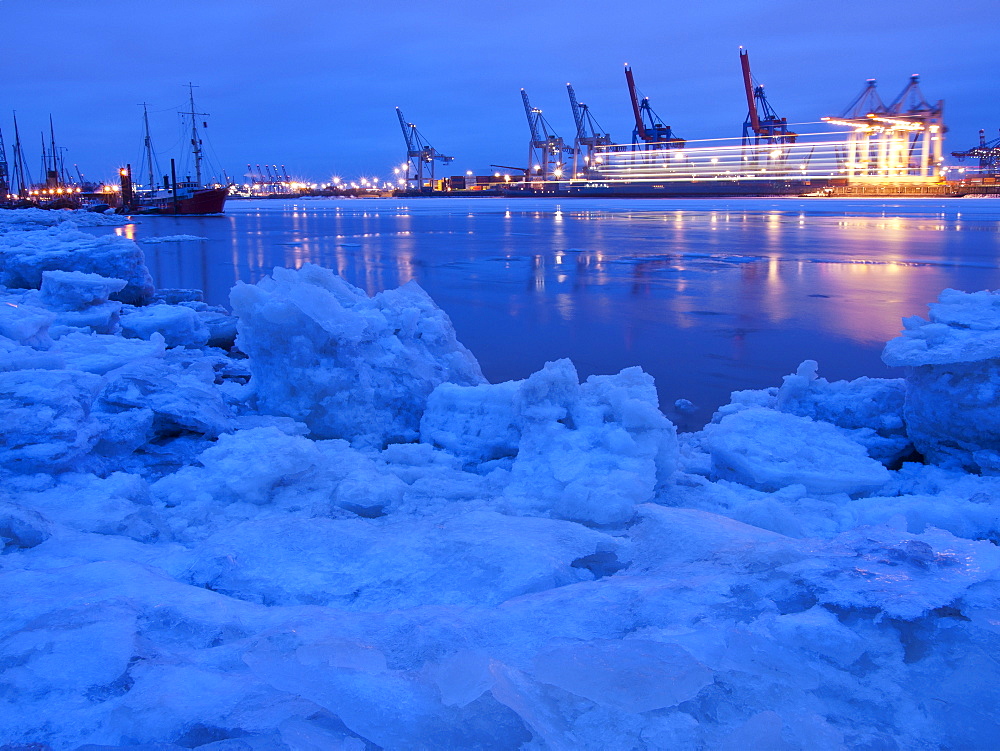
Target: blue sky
{"x":313,"y":84}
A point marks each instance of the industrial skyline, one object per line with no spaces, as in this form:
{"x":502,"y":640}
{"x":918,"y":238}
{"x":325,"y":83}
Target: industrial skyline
{"x":314,"y":86}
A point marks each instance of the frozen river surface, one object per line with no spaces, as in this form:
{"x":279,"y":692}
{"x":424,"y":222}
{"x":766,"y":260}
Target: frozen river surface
{"x":709,"y":296}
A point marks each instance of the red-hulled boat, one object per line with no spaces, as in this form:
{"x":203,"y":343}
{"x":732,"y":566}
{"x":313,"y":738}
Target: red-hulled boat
{"x":184,"y":197}
{"x":190,"y":199}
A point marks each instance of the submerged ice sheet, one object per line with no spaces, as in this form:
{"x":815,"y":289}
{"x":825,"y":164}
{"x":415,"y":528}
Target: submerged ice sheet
{"x":336,"y":534}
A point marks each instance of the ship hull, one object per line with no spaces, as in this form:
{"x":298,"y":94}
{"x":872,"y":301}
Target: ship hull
{"x":200,"y":201}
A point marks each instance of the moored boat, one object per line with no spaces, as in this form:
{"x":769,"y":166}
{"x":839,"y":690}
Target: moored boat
{"x":189,"y":199}
{"x":174,"y":197}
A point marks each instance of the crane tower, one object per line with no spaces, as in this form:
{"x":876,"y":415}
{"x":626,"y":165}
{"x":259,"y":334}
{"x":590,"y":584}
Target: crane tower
{"x":988,"y":154}
{"x":546,"y":149}
{"x":762,"y":126}
{"x":901,"y":140}
{"x":588,"y":136}
{"x":419,"y":153}
{"x":649,"y":128}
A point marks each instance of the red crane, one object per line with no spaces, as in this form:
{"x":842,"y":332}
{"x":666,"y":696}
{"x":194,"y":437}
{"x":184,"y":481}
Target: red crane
{"x":649,"y":129}
{"x":762,"y":124}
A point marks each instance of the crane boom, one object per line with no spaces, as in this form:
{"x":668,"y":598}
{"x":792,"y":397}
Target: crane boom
{"x":762,"y":123}
{"x":648,"y":127}
{"x":407,"y":129}
{"x":418,"y":153}
{"x":640,"y":128}
{"x":546,"y":148}
{"x":530,"y":112}
{"x":748,"y":86}
{"x":589,"y":138}
{"x":577,"y":112}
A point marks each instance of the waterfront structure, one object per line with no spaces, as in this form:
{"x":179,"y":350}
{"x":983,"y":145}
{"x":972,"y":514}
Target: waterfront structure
{"x":588,"y":134}
{"x":872,"y":143}
{"x":419,"y":153}
{"x":546,"y":150}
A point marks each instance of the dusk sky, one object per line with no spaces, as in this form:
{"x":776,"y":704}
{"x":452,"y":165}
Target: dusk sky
{"x":312,"y":84}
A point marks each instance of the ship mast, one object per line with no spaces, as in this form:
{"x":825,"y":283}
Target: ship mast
{"x":21,"y":176}
{"x":148,"y":144}
{"x":195,"y":140}
{"x":58,"y":159}
{"x":4,"y":179}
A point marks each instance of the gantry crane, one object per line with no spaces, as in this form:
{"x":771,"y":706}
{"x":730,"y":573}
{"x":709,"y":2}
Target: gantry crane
{"x":912,"y":104}
{"x":649,"y":129}
{"x":925,"y":134}
{"x":762,"y":126}
{"x":988,"y":154}
{"x":901,"y":139}
{"x":546,"y":149}
{"x":588,"y":135}
{"x":866,"y":103}
{"x":418,"y":154}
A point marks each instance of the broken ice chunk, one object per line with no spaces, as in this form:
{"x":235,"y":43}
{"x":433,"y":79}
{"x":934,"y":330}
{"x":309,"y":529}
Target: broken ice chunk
{"x":769,"y":450}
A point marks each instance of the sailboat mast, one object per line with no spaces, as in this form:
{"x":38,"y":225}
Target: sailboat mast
{"x":195,"y":141}
{"x":148,"y":144}
{"x":45,"y":162}
{"x":57,"y":167}
{"x":4,"y":179}
{"x":21,"y":176}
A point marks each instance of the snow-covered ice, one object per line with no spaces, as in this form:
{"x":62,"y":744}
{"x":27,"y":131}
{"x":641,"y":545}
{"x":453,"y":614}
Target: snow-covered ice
{"x":26,"y":254}
{"x":349,"y":366}
{"x":953,"y":379}
{"x":769,"y":450}
{"x":328,"y":531}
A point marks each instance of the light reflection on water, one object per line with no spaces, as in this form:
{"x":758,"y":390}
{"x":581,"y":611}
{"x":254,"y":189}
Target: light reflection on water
{"x":708,"y":296}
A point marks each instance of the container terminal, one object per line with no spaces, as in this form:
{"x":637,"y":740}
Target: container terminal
{"x":871,"y":148}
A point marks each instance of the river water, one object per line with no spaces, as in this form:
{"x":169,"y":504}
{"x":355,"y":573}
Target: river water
{"x":709,"y":296}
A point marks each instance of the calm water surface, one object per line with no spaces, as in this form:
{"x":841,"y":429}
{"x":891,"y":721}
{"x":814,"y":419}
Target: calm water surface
{"x":708,"y":296}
